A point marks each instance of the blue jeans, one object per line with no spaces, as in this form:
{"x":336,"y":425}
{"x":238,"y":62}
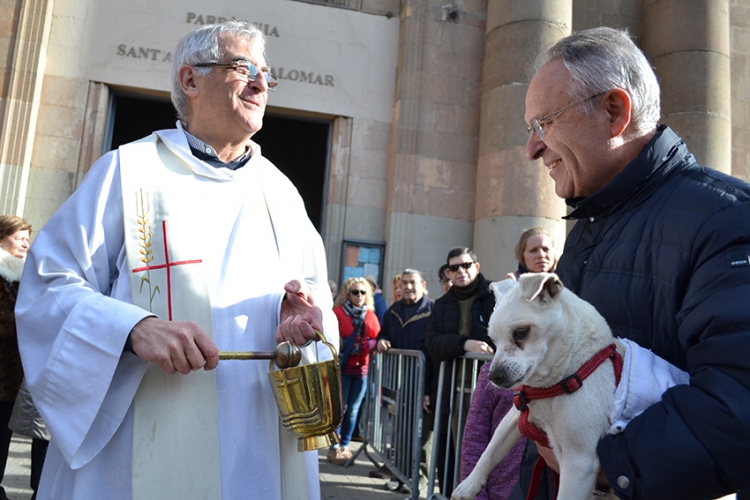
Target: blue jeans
{"x":352,"y":393}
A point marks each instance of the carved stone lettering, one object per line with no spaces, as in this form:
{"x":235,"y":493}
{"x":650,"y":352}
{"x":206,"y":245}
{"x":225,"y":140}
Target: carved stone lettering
{"x":195,"y":18}
{"x":296,"y":75}
{"x":141,"y":52}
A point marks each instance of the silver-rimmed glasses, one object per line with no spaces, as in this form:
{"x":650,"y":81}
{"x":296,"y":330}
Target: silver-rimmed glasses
{"x":246,"y":69}
{"x":538,"y":124}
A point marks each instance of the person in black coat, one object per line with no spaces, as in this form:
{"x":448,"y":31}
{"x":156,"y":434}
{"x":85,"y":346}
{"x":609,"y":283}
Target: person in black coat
{"x":661,"y":248}
{"x":458,"y":324}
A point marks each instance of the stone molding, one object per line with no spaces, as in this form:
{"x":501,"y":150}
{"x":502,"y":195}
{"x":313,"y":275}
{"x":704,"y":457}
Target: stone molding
{"x":19,"y":118}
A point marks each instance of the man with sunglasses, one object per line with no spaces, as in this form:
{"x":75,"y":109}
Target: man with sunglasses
{"x":458,"y":325}
{"x":175,"y":247}
{"x":661,"y":248}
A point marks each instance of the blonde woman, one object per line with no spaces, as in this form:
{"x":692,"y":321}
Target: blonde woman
{"x":535,"y":253}
{"x":358,"y":329}
{"x":396,"y":294}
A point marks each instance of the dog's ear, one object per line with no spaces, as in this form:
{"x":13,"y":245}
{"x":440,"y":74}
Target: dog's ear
{"x":546,"y":286}
{"x":500,"y":288}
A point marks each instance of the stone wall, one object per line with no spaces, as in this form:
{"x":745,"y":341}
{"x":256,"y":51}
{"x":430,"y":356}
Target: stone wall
{"x":739,"y":25}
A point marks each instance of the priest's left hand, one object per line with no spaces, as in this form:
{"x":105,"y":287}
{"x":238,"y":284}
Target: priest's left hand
{"x":300,"y":317}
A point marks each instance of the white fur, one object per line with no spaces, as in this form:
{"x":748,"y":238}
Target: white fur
{"x":563,"y":333}
{"x":11,"y":268}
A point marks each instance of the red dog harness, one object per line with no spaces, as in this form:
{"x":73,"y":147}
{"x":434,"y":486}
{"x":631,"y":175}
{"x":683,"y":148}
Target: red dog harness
{"x":568,"y":385}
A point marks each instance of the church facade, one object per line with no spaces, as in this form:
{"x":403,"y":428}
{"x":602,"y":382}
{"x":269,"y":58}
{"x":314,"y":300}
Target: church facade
{"x":422,"y":100}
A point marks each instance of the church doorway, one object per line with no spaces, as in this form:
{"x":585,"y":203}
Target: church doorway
{"x":298,"y":146}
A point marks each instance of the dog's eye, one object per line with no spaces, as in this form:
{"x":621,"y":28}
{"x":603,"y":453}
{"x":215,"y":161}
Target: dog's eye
{"x":520,"y":333}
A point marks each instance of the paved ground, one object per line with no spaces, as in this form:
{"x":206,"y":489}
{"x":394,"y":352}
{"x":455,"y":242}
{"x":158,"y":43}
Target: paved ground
{"x":18,"y":469}
{"x":344,"y":483}
{"x":336,"y":482}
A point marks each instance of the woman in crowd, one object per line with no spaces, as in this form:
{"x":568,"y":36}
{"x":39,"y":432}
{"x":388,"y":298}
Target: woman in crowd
{"x":14,"y":242}
{"x":445,"y":281}
{"x":396,"y":293}
{"x":535,"y":253}
{"x":358,"y":329}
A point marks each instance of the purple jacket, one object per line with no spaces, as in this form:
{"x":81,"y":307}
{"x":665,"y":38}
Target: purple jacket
{"x":488,"y":407}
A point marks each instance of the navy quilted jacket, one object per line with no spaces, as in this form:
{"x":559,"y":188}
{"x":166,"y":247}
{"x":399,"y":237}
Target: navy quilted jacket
{"x":406,"y":334}
{"x":663,"y":253}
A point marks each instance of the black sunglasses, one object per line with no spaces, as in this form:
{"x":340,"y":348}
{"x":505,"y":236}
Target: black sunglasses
{"x":358,"y":292}
{"x":466,"y":265}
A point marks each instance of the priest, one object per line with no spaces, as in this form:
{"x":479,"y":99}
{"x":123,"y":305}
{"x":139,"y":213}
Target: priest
{"x":174,"y":248}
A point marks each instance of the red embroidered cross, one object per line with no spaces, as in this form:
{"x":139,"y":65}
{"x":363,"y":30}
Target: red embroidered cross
{"x":167,"y":265}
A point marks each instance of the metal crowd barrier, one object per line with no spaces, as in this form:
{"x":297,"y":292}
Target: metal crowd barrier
{"x":393,"y":414}
{"x":462,"y":374}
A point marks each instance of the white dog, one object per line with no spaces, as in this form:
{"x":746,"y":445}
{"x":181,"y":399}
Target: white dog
{"x":543,"y":334}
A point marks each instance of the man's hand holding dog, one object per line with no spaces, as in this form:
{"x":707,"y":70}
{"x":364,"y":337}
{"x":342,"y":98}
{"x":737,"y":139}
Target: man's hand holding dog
{"x":477,"y":346}
{"x":602,"y":483}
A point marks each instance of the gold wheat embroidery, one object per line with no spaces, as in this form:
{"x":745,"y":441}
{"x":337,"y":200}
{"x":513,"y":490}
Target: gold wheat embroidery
{"x":142,"y":210}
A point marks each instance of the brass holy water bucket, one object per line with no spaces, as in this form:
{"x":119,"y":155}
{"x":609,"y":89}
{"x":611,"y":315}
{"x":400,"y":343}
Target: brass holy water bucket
{"x":309,"y":400}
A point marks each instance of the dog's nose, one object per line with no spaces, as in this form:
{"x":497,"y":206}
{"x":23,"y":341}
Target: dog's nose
{"x":497,"y":376}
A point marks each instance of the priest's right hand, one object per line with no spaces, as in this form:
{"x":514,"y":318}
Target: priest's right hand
{"x":176,"y":346}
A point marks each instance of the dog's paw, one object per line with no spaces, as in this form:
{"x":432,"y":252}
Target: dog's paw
{"x":467,"y":490}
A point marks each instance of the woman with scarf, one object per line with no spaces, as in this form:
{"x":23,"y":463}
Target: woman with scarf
{"x":14,"y":242}
{"x":358,"y":329}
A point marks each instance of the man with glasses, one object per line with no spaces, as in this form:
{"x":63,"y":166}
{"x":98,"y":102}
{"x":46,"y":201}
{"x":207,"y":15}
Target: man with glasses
{"x":661,"y":248}
{"x":175,"y":247}
{"x":458,"y":325}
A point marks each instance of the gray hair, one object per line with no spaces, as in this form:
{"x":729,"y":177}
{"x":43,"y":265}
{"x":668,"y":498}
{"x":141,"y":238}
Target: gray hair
{"x":601,"y":59}
{"x":414,"y":271}
{"x":202,"y":46}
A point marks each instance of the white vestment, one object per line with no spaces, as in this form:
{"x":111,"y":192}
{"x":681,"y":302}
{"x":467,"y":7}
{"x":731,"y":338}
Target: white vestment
{"x":74,"y":313}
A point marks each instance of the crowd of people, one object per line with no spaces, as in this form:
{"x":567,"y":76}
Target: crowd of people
{"x":94,"y":335}
{"x":443,"y":329}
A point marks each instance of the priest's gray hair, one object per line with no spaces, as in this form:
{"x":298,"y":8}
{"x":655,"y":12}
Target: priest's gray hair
{"x":202,"y":46}
{"x":601,"y":59}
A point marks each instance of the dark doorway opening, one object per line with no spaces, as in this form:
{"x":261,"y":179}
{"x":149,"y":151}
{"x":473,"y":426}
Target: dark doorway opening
{"x":297,"y":146}
{"x":137,"y":117}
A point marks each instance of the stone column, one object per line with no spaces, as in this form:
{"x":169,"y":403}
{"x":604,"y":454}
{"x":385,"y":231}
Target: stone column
{"x":434,"y":134}
{"x":513,"y":193}
{"x":687,"y":41}
{"x":21,"y":107}
{"x":94,"y":128}
{"x":337,"y":195}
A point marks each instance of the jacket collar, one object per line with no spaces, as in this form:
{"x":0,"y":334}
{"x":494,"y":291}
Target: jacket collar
{"x":11,"y":268}
{"x":424,"y":304}
{"x":483,"y":290}
{"x":659,"y":158}
{"x":424,"y":310}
